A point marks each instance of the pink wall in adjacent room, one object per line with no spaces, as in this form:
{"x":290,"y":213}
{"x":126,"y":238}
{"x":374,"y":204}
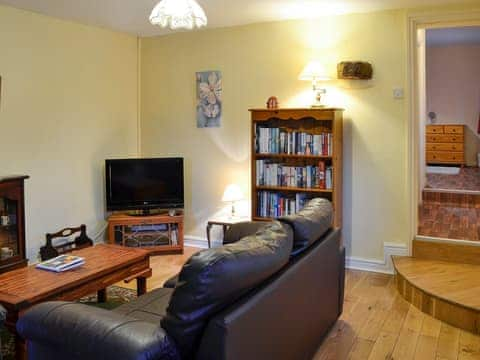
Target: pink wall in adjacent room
{"x":453,"y":90}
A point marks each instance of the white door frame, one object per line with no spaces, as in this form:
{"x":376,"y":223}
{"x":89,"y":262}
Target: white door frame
{"x":436,"y":19}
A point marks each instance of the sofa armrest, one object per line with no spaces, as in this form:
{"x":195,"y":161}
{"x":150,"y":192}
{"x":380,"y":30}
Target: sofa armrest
{"x":172,"y":282}
{"x":87,"y":332}
{"x":242,"y":229}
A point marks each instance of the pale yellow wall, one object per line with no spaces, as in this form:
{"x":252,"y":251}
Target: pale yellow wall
{"x":69,"y":100}
{"x":258,"y":61}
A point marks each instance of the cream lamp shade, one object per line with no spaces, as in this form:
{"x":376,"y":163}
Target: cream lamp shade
{"x":232,"y":194}
{"x":314,"y":71}
{"x":178,"y":14}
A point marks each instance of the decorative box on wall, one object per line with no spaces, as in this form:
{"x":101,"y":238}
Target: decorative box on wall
{"x":296,"y":156}
{"x":354,"y":70}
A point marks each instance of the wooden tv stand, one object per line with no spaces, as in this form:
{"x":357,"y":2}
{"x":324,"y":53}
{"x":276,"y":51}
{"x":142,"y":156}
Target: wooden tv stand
{"x":158,"y":234}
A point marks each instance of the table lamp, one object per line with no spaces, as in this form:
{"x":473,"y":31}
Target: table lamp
{"x":232,"y":194}
{"x":315,"y":72}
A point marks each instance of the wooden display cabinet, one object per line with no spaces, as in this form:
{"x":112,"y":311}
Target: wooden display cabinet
{"x":12,"y":223}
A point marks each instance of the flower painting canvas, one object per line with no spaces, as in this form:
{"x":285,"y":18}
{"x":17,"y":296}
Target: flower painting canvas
{"x":209,"y":99}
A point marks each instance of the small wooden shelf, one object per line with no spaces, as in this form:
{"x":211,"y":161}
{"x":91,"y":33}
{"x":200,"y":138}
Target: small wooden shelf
{"x":295,"y":189}
{"x":293,"y":156}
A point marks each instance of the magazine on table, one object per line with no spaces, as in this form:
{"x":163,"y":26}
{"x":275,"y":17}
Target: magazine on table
{"x":62,"y":263}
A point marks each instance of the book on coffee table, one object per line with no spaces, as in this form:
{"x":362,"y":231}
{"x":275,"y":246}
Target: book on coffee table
{"x":61,"y":263}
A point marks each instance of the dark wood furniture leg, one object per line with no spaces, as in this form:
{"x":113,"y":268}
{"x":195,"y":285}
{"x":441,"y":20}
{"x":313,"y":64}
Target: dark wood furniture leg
{"x":141,"y":281}
{"x":209,"y":227}
{"x":20,"y":348}
{"x":102,"y":296}
{"x":225,"y":228}
{"x":141,"y":286}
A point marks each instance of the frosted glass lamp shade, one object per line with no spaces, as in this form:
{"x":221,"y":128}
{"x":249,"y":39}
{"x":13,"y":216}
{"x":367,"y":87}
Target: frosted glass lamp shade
{"x":314,"y":70}
{"x":232,"y":193}
{"x":178,"y":14}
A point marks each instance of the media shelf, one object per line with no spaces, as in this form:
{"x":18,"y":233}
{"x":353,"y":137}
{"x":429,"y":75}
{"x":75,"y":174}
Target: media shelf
{"x":296,"y":156}
{"x":159,"y":234}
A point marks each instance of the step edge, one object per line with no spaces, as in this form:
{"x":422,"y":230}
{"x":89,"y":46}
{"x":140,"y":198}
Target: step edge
{"x":452,"y":302}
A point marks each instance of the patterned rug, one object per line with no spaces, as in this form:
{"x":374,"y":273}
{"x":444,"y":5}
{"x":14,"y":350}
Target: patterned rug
{"x":116,"y":296}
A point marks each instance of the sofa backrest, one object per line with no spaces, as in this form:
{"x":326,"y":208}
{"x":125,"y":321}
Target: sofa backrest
{"x":285,"y":317}
{"x":213,"y":279}
{"x":310,"y":223}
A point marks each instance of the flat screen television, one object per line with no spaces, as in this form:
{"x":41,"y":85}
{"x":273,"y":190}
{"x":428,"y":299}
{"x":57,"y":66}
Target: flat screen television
{"x":144,"y":184}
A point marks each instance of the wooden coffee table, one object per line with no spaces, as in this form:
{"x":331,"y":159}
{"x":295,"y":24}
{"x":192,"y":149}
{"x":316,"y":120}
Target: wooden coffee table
{"x":105,"y":265}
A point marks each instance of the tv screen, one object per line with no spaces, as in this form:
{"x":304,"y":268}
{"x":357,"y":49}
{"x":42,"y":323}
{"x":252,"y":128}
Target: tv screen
{"x":137,"y":184}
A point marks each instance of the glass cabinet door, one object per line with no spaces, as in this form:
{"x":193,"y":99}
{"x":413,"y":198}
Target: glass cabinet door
{"x":9,"y":236}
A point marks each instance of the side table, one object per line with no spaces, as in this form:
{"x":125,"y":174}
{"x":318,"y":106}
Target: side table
{"x":225,"y":223}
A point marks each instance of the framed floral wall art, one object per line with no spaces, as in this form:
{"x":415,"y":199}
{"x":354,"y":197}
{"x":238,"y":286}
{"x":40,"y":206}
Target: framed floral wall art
{"x":209,"y":99}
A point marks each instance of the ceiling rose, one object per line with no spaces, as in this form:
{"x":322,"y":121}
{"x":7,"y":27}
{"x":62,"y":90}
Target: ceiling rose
{"x":178,"y":14}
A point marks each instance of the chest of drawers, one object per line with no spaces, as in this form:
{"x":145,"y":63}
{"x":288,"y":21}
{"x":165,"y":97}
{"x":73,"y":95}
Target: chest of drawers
{"x":445,"y":144}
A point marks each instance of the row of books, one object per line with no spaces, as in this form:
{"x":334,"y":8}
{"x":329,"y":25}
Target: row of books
{"x":269,"y":173}
{"x":279,"y":141}
{"x":272,"y":205}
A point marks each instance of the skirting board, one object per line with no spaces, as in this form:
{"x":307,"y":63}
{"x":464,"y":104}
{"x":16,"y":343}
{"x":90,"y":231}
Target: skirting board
{"x":384,"y":266}
{"x":197,"y":242}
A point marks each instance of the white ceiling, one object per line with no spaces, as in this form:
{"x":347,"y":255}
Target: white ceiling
{"x":131,"y":16}
{"x":454,"y":36}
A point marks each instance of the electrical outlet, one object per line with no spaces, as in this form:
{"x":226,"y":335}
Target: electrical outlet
{"x":398,"y":93}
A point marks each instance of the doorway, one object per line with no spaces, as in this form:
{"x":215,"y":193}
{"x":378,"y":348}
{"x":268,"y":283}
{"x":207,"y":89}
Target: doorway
{"x":449,"y":132}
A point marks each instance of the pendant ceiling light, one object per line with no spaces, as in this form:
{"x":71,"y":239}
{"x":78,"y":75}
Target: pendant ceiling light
{"x":178,"y":14}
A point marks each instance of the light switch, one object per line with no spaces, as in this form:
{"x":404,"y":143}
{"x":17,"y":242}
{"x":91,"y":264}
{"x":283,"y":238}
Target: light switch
{"x":398,"y":93}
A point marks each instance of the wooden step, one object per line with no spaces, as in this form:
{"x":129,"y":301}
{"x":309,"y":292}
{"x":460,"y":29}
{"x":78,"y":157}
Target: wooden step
{"x":470,"y":199}
{"x":446,"y":290}
{"x":465,"y":252}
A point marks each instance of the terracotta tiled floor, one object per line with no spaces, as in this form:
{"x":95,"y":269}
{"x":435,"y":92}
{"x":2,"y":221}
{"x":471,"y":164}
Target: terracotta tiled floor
{"x":437,"y":220}
{"x":468,"y":179}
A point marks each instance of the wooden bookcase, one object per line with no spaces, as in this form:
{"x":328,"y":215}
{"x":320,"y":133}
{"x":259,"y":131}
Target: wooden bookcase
{"x":321,"y":122}
{"x":159,"y":234}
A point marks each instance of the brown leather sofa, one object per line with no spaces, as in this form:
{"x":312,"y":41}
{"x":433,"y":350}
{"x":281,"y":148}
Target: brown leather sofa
{"x":272,"y":292}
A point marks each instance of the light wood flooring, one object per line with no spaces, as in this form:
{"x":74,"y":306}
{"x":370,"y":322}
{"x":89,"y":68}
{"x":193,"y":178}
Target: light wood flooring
{"x":377,"y":322}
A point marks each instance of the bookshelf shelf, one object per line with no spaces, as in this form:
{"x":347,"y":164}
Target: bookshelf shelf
{"x":284,"y":177}
{"x":292,"y":156}
{"x":294,"y":189}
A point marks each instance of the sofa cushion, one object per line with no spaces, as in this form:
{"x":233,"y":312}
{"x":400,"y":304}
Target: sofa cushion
{"x":214,"y":278}
{"x":310,"y":223}
{"x":150,"y":307}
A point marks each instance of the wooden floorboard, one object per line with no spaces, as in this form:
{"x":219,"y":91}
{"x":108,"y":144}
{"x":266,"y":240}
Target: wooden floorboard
{"x":377,"y":323}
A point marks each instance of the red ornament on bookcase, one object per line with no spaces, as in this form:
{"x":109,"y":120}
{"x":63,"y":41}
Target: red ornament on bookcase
{"x":272,"y":102}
